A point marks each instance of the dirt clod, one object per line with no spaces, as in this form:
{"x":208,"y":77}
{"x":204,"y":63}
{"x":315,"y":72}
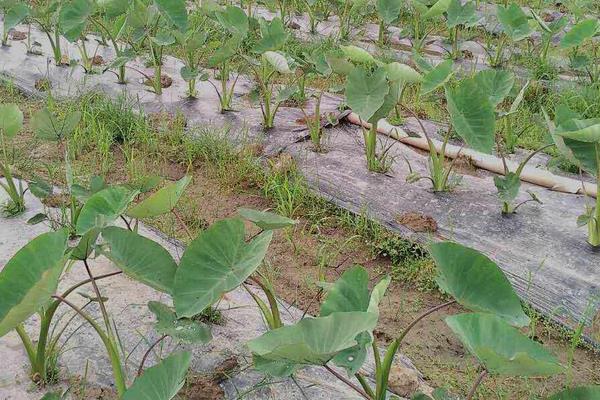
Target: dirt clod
{"x":18,"y":35}
{"x":403,"y":381}
{"x":417,"y":222}
{"x":165,"y":81}
{"x":97,"y":60}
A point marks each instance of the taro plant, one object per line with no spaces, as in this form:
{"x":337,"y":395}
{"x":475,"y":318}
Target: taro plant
{"x":316,"y":10}
{"x":154,"y":25}
{"x":579,"y":140}
{"x":575,"y":39}
{"x":74,"y":17}
{"x":315,"y":64}
{"x":48,"y":254}
{"x":459,"y":17}
{"x":515,"y":27}
{"x":191,"y":44}
{"x":46,"y":15}
{"x":349,"y":12}
{"x":237,"y":25}
{"x":549,"y":31}
{"x":372,"y":94}
{"x":11,"y":122}
{"x":271,"y":65}
{"x":15,"y":12}
{"x":388,"y":12}
{"x":342,"y":332}
{"x":472,"y":118}
{"x":422,"y":12}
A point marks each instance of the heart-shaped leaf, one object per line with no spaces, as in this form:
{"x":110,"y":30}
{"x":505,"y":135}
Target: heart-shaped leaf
{"x":184,"y":329}
{"x":216,"y":262}
{"x":161,"y":202}
{"x":104,"y":207}
{"x":266,"y":220}
{"x":11,"y":120}
{"x":476,"y":282}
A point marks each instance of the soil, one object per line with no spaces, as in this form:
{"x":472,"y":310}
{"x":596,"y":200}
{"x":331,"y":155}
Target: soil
{"x":417,"y":222}
{"x":18,"y":35}
{"x":295,"y":262}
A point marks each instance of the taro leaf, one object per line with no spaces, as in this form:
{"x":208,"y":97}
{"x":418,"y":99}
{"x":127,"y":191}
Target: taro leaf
{"x":508,"y":186}
{"x":40,"y":188}
{"x":398,"y":72}
{"x":476,"y":282}
{"x":140,"y":258}
{"x":389,"y":10}
{"x":163,"y":38}
{"x":349,"y":293}
{"x":11,"y":120}
{"x":15,"y":15}
{"x":339,"y":64}
{"x":73,"y":18}
{"x":590,"y":392}
{"x":175,"y":12}
{"x":437,"y":76}
{"x":161,"y":202}
{"x":440,"y":7}
{"x":273,"y":36}
{"x":459,"y":14}
{"x":285,"y":93}
{"x":312,"y":341}
{"x":497,"y":84}
{"x":266,"y":220}
{"x":104,"y":207}
{"x":37,"y":219}
{"x":188,"y":74}
{"x":277,"y":61}
{"x":472,"y":115}
{"x":48,"y":127}
{"x":225,"y":52}
{"x":357,"y":55}
{"x":353,"y":358}
{"x":514,"y":22}
{"x":186,"y":330}
{"x":162,"y":381}
{"x":86,"y":245}
{"x":234,"y":19}
{"x":216,"y":262}
{"x":502,"y":349}
{"x":30,"y":277}
{"x":366,"y":91}
{"x":147,"y":183}
{"x":579,"y":33}
{"x":579,"y":141}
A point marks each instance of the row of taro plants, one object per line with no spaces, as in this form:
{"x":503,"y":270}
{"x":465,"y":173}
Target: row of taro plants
{"x":373,"y":89}
{"x":221,"y":259}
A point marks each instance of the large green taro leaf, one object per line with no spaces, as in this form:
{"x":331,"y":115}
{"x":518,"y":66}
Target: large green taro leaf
{"x":104,"y":207}
{"x":175,"y":12}
{"x":502,"y":349}
{"x":48,"y":126}
{"x":15,"y":15}
{"x":161,"y":202}
{"x":216,"y":262}
{"x":459,"y":14}
{"x":73,"y":18}
{"x":437,"y":9}
{"x":472,"y":115}
{"x":162,"y":381}
{"x":437,"y":76}
{"x":476,"y":282}
{"x":514,"y":22}
{"x":496,"y":83}
{"x":234,"y":19}
{"x":30,"y":277}
{"x":273,"y":36}
{"x":579,"y":393}
{"x":266,"y":220}
{"x":312,"y":341}
{"x":579,"y":33}
{"x":140,"y":258}
{"x":579,"y":140}
{"x":184,"y":329}
{"x":11,"y":120}
{"x":366,"y":91}
{"x":349,"y":293}
{"x":389,"y":10}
